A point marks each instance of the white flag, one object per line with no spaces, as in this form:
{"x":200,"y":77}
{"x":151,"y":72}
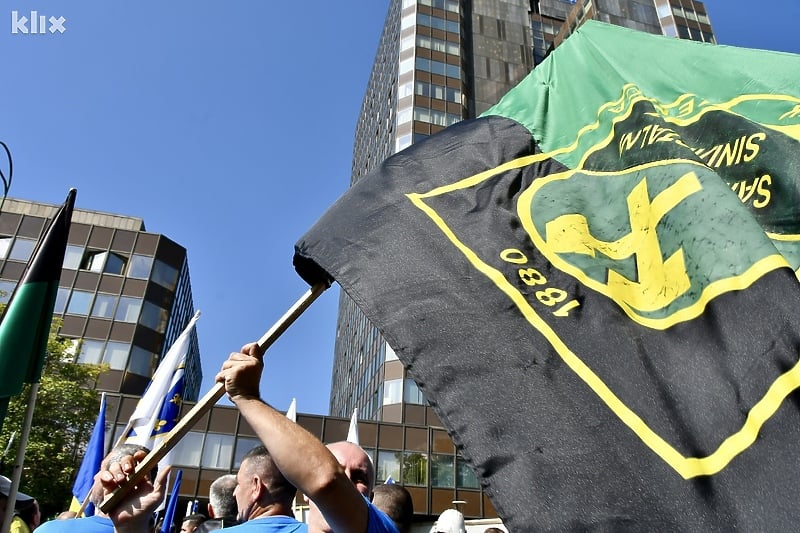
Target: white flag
{"x":352,"y":433}
{"x":146,"y":421}
{"x":291,"y":414}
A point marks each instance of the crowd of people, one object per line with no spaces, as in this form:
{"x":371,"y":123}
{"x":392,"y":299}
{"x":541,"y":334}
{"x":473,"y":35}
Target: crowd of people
{"x":336,"y":480}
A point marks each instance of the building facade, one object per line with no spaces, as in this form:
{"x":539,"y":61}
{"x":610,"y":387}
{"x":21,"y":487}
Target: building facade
{"x":124,"y":295}
{"x":552,"y":21}
{"x":422,"y":454}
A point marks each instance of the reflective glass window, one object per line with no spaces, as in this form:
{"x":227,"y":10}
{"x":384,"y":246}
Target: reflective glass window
{"x":115,"y":264}
{"x":73,"y":256}
{"x":139,"y":266}
{"x":392,"y":391}
{"x":187,"y":451}
{"x":443,"y":471}
{"x":164,"y":275}
{"x":243,"y":445}
{"x":154,"y":317}
{"x":466,"y":479}
{"x":128,"y":309}
{"x":104,"y":305}
{"x":116,"y":355}
{"x":6,"y":290}
{"x":62,"y":295}
{"x":412,"y":394}
{"x":415,"y":468}
{"x":79,"y":303}
{"x":217,"y":451}
{"x":93,"y":261}
{"x":91,"y":352}
{"x":22,"y":249}
{"x":141,"y":361}
{"x":388,"y":465}
{"x":5,"y":245}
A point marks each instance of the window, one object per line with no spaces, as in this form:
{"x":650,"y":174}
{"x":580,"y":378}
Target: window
{"x":139,"y":266}
{"x":392,"y":391}
{"x":91,"y":352}
{"x":61,"y":300}
{"x":466,"y":479}
{"x":105,"y":262}
{"x":22,"y":249}
{"x":217,"y":451}
{"x":104,"y":305}
{"x":79,"y":303}
{"x":164,"y":275}
{"x":115,"y":264}
{"x":154,"y":317}
{"x":6,"y":290}
{"x":442,"y":471}
{"x":128,"y":309}
{"x":73,"y":256}
{"x":187,"y":451}
{"x":5,"y":245}
{"x":415,"y":468}
{"x":243,"y":445}
{"x":388,"y":465}
{"x":116,"y":355}
{"x":412,"y":394}
{"x":141,"y":361}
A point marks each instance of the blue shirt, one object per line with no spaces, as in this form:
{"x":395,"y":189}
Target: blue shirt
{"x":277,"y":524}
{"x":379,"y":522}
{"x":85,"y":524}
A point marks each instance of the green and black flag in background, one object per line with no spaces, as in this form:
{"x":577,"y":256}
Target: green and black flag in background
{"x":594,"y":285}
{"x":25,"y":325}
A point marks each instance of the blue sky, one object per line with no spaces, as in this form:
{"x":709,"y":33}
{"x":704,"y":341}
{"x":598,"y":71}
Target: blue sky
{"x":228,"y":127}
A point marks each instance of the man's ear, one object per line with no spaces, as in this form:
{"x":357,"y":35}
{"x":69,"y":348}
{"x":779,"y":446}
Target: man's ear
{"x":210,"y":511}
{"x":258,"y":488}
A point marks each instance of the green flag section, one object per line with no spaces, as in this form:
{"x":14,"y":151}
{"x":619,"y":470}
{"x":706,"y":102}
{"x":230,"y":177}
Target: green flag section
{"x":25,"y":325}
{"x":594,"y":285}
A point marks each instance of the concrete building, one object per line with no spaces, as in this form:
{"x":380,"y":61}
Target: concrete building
{"x":124,"y":295}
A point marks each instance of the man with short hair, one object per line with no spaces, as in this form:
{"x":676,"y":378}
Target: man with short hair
{"x":339,"y":486}
{"x":222,"y":510}
{"x":264,"y":495}
{"x":192,"y":522}
{"x":396,"y":502}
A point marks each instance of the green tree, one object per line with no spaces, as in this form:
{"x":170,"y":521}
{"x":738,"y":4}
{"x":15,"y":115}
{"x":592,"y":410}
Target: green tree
{"x":66,"y":409}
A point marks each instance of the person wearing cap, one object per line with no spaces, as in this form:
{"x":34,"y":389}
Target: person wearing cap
{"x":5,"y":489}
{"x":27,"y":517}
{"x":450,"y":521}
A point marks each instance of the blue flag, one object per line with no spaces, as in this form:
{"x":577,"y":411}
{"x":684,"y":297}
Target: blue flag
{"x":92,"y":457}
{"x":172,"y":503}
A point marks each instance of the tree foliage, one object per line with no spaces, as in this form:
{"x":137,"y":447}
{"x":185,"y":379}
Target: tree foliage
{"x":66,"y":408}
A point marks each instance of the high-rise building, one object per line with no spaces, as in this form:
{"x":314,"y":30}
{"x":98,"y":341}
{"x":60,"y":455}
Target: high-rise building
{"x":552,"y":21}
{"x":438,"y":62}
{"x":124,"y":295}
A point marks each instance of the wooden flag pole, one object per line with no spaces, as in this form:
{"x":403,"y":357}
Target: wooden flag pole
{"x":206,"y":402}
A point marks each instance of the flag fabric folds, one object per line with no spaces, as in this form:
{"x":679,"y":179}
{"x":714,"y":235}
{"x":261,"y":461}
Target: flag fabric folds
{"x":25,"y":325}
{"x":593,"y":284}
{"x":158,"y":410}
{"x":92,"y":458}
